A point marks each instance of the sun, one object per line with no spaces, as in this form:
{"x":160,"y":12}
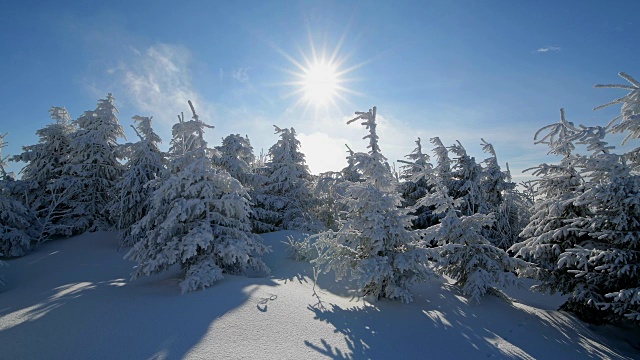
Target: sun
{"x":320,"y":83}
{"x":320,"y":78}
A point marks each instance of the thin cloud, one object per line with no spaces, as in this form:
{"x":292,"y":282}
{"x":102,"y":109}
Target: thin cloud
{"x":548,"y":49}
{"x":158,"y":82}
{"x":240,"y":75}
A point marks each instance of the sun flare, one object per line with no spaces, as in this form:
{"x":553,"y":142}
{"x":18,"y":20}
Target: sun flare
{"x":320,"y":83}
{"x":320,"y":78}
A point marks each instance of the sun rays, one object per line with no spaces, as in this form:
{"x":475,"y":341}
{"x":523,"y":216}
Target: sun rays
{"x":321,"y":79}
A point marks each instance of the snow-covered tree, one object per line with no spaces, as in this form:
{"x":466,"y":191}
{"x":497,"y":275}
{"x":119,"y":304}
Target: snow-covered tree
{"x":145,"y":162}
{"x":500,"y":197}
{"x":549,"y":232}
{"x":375,"y":244}
{"x":287,"y":189}
{"x":44,"y":161}
{"x":466,"y":174}
{"x":629,"y":119}
{"x":350,"y":173}
{"x":417,"y":174}
{"x":198,"y":217}
{"x":442,"y":169}
{"x":328,"y":190}
{"x":464,"y":253}
{"x":93,"y":168}
{"x":607,"y":265}
{"x":237,"y":158}
{"x":17,"y":222}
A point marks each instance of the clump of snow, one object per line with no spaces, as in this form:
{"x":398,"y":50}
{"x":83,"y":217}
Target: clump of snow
{"x":87,"y":308}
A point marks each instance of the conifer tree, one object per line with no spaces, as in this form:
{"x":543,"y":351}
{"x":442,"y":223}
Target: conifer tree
{"x":442,"y":170}
{"x":44,"y":161}
{"x":464,"y":253}
{"x":286,"y":195}
{"x":375,"y":244}
{"x":417,"y":174}
{"x":465,"y":185}
{"x":198,"y":217}
{"x":93,"y":168}
{"x":134,"y":189}
{"x":237,"y":158}
{"x":500,"y":197}
{"x":17,"y":222}
{"x":350,"y":173}
{"x":549,"y":233}
{"x":606,"y":266}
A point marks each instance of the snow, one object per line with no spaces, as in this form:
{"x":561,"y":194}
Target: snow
{"x":72,"y":299}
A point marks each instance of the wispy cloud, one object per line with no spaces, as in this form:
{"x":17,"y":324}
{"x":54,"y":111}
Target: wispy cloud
{"x":157,"y":81}
{"x":548,"y":49}
{"x":240,"y":75}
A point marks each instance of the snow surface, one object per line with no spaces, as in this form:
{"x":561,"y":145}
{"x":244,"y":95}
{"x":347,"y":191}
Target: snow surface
{"x":72,"y":299}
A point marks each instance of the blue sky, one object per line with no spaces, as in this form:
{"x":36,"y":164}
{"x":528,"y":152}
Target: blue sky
{"x":461,"y":70}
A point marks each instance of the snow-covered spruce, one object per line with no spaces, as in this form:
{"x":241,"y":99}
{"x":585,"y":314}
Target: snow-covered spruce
{"x":92,"y":170}
{"x":375,"y":244}
{"x":44,"y":161}
{"x":466,"y":177}
{"x":629,"y":119}
{"x":286,"y":192}
{"x":549,"y":233}
{"x":416,"y":173}
{"x":464,"y":253}
{"x":198,"y":217}
{"x":501,"y":198}
{"x":237,"y":158}
{"x":608,"y":264}
{"x":145,"y":162}
{"x":17,"y":222}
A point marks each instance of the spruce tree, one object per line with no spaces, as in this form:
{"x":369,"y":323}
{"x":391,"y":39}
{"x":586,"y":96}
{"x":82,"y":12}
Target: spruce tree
{"x":375,"y":244}
{"x":417,"y":173}
{"x":44,"y":161}
{"x":18,"y":226}
{"x":45,"y":164}
{"x":549,"y":233}
{"x":134,"y":189}
{"x":93,"y":168}
{"x":500,"y":197}
{"x":464,"y":253}
{"x":285,"y":196}
{"x":198,"y":217}
{"x":466,"y":177}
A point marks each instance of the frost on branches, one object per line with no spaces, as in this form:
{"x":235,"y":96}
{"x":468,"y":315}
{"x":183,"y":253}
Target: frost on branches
{"x":17,"y":221}
{"x":145,"y":161}
{"x":198,"y":217}
{"x":93,"y":168}
{"x":375,"y":244}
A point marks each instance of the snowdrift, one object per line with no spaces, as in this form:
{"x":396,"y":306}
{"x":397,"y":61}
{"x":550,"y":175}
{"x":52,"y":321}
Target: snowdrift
{"x":72,"y":299}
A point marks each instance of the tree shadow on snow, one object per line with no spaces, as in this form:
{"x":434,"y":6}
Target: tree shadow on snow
{"x":72,"y":299}
{"x":440,"y":323}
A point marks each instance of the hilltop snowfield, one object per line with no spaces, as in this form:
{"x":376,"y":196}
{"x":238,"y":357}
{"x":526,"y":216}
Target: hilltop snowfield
{"x":72,"y":299}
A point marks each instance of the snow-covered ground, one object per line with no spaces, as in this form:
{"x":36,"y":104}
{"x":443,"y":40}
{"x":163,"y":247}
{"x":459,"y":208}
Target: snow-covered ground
{"x":72,"y":299}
